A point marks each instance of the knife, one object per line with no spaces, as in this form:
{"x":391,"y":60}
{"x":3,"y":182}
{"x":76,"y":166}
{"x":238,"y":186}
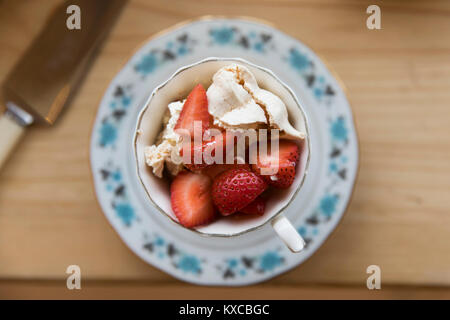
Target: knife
{"x":45,"y":78}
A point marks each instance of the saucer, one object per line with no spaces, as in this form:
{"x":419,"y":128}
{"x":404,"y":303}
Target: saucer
{"x":256,"y":256}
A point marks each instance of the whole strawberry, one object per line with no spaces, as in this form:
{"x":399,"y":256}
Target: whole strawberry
{"x":234,"y":189}
{"x":256,"y":207}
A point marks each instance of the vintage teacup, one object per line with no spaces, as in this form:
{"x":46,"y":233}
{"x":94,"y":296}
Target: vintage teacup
{"x":177,"y":88}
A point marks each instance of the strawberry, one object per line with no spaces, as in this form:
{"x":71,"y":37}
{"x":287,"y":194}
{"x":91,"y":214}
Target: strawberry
{"x":190,"y":197}
{"x":256,"y":207}
{"x":284,"y":177}
{"x":194,"y":109}
{"x":234,"y":189}
{"x":207,"y":148}
{"x":279,"y":175}
{"x":216,"y":169}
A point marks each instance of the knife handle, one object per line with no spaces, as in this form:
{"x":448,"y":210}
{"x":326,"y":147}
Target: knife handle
{"x":10,"y":132}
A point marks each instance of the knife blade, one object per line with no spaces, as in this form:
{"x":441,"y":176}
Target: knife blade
{"x":47,"y":75}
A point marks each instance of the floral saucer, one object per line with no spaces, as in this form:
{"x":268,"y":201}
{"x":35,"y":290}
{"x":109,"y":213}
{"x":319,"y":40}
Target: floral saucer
{"x":259,"y":255}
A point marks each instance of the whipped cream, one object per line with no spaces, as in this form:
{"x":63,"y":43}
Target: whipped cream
{"x":167,"y":144}
{"x":236,"y":100}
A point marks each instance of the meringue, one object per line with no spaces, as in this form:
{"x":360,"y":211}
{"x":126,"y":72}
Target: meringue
{"x":236,"y":103}
{"x":230,"y":103}
{"x":167,"y":144}
{"x":236,"y":100}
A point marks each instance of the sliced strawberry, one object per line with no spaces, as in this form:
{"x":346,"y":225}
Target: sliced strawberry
{"x":216,"y":169}
{"x":255,"y":207}
{"x":207,"y":149}
{"x":194,"y":109}
{"x":190,"y":197}
{"x":281,"y":173}
{"x":234,"y":189}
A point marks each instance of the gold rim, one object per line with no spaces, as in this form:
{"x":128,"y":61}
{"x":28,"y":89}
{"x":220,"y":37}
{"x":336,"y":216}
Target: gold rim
{"x":179,"y":71}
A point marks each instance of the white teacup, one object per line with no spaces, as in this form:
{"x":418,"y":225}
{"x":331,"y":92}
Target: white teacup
{"x":177,"y":87}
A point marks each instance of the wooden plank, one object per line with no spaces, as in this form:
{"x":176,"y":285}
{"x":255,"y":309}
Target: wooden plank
{"x":133,"y":290}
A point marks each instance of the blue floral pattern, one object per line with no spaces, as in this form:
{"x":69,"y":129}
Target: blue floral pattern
{"x":108,"y":134}
{"x":189,"y":263}
{"x":328,"y":204}
{"x":258,"y":41}
{"x":122,"y":99}
{"x":270,"y":260}
{"x":339,"y":142}
{"x":339,"y":130}
{"x":298,"y":60}
{"x":266,"y":262}
{"x":233,"y":36}
{"x":114,"y":184}
{"x":157,"y":57}
{"x":223,"y":35}
{"x":305,"y":67}
{"x":154,"y":244}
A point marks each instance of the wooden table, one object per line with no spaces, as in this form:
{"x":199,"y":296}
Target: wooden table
{"x":398,"y":82}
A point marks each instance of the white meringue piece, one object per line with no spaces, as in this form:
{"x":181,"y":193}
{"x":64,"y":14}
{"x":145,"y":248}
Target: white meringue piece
{"x":230,"y":104}
{"x":236,"y":100}
{"x":168,"y":143}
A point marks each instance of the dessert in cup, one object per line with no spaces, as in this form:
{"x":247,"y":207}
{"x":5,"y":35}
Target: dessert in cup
{"x":232,"y":152}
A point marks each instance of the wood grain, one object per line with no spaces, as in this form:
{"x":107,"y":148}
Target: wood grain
{"x":397,"y":79}
{"x":149,"y":290}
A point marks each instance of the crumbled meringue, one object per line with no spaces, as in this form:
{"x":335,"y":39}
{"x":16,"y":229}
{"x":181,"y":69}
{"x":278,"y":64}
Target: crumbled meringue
{"x":168,"y":143}
{"x":235,"y":100}
{"x":230,"y":104}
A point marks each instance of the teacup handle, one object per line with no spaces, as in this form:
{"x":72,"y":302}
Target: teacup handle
{"x":286,"y":231}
